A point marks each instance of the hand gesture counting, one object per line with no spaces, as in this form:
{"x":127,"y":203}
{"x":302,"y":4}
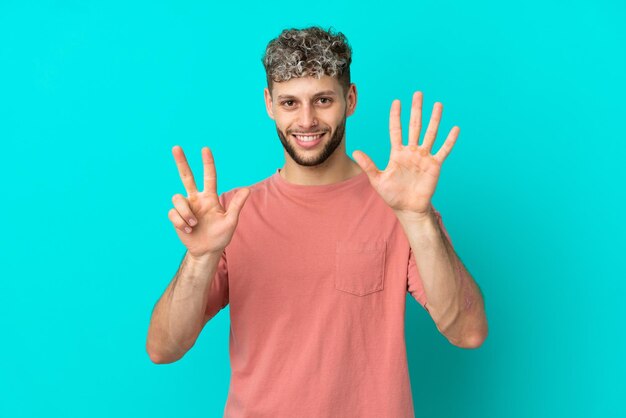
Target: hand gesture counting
{"x":202,"y":224}
{"x":408,"y":182}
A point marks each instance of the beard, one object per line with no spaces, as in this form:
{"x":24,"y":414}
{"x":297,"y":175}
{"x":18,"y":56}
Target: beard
{"x":322,"y":156}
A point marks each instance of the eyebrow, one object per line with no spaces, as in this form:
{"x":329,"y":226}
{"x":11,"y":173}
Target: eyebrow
{"x":321,"y":93}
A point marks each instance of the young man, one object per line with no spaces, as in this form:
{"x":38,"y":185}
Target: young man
{"x":317,"y":264}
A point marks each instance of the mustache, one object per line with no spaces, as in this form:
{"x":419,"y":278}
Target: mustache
{"x":306,"y":133}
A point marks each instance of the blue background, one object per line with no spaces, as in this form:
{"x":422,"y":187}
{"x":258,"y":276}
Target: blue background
{"x":93,"y":95}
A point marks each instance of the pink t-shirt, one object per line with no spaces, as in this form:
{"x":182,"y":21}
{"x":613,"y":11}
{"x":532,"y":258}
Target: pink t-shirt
{"x":316,"y":278}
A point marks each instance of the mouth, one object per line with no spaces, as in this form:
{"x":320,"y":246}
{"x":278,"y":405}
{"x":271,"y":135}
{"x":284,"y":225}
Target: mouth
{"x":308,"y":141}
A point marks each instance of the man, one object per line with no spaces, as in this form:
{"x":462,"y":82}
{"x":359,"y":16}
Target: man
{"x":317,"y":265}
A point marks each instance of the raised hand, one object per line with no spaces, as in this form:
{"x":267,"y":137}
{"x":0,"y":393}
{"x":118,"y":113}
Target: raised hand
{"x":408,"y":182}
{"x":200,"y":221}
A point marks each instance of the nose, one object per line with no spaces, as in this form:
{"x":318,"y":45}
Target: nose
{"x":307,"y":118}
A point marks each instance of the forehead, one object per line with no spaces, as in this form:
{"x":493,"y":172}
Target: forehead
{"x":306,"y":87}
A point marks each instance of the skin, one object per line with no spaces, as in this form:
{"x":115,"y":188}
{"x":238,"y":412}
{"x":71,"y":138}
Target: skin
{"x":407,"y":185}
{"x":205,"y":227}
{"x":408,"y":182}
{"x":303,"y":112}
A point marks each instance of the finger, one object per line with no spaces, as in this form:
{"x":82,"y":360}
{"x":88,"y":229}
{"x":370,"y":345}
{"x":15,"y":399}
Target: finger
{"x":395,"y":127}
{"x":185,"y":172}
{"x":178,"y":222}
{"x":415,"y":123}
{"x":446,"y":148}
{"x":237,"y":202}
{"x":366,"y":164}
{"x":433,"y":126}
{"x":210,"y":175}
{"x":182,"y":206}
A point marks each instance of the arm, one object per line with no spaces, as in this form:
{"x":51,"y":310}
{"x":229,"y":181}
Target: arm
{"x":178,"y":316}
{"x":205,"y":227}
{"x":407,"y":185}
{"x":454,"y":299}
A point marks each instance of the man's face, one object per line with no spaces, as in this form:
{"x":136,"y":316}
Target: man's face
{"x":310,"y":116}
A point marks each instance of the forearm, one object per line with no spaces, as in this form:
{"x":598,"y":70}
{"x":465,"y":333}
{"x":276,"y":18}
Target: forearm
{"x":178,"y":316}
{"x":454,"y":299}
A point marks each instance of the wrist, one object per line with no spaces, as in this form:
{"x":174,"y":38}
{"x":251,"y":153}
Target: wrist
{"x":203,"y":258}
{"x":416,"y":217}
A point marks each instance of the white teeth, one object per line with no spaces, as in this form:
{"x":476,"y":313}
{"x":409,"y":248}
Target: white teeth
{"x":308,"y":138}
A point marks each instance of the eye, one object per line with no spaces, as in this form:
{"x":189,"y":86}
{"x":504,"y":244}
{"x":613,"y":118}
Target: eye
{"x":285,"y":103}
{"x":328,"y":100}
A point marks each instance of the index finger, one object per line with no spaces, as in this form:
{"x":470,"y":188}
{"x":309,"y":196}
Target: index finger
{"x":183,"y":168}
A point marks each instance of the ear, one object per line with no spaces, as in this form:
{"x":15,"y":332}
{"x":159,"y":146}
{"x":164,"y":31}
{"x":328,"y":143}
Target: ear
{"x":268,"y":102}
{"x":351,"y":100}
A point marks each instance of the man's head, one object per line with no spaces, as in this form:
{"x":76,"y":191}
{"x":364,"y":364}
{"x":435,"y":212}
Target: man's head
{"x":309,"y":91}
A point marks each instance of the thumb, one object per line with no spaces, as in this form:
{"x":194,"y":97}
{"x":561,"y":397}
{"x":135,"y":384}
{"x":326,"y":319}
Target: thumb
{"x":236,"y":204}
{"x":366,"y":164}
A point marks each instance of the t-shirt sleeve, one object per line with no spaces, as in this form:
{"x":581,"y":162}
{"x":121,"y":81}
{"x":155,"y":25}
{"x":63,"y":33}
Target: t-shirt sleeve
{"x":414,"y":286}
{"x":218,"y":290}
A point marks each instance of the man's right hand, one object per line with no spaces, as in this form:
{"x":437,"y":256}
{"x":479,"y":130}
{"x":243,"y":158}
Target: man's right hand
{"x":214,"y":226}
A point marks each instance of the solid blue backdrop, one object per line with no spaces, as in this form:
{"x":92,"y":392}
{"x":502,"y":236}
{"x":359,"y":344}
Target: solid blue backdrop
{"x":93,"y":95}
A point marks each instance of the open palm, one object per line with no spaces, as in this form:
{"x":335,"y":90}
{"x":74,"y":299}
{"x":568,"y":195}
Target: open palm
{"x":408,"y":182}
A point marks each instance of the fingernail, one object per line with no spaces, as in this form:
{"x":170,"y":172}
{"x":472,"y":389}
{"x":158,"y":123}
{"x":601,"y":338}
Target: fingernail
{"x":192,"y":222}
{"x":188,"y":230}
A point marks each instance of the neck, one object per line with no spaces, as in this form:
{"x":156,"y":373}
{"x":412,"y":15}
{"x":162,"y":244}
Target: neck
{"x":333,"y":170}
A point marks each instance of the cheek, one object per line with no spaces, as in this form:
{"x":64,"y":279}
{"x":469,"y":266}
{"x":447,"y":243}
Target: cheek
{"x":282,"y":124}
{"x":336,"y":123}
{"x":337,"y":119}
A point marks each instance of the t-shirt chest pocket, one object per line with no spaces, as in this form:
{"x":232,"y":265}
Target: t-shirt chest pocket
{"x":360,"y":266}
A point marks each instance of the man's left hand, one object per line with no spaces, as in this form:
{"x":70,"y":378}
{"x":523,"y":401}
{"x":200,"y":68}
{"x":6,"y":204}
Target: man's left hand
{"x":408,"y":182}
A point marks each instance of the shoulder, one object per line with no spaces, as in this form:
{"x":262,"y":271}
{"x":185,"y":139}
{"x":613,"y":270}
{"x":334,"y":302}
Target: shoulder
{"x":257,"y":190}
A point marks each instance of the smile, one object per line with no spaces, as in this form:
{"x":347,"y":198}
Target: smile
{"x":307,"y":138}
{"x":308,"y":141}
